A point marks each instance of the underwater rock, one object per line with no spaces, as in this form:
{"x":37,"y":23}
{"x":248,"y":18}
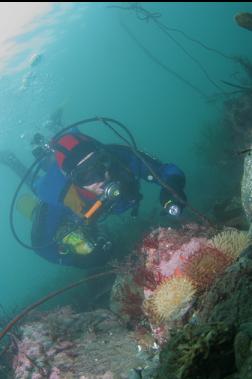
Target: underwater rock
{"x":202,"y":351}
{"x":150,"y":371}
{"x":247,"y":253}
{"x":218,"y":304}
{"x":229,"y":212}
{"x":218,"y":344}
{"x":139,"y":295}
{"x":134,"y":374}
{"x":246,"y":370}
{"x":62,"y":344}
{"x":241,"y":348}
{"x":229,"y":301}
{"x":238,"y":116}
{"x":172,"y":268}
{"x":126,"y":299}
{"x":244,"y":19}
{"x":246,"y":187}
{"x":212,"y":342}
{"x":176,"y":256}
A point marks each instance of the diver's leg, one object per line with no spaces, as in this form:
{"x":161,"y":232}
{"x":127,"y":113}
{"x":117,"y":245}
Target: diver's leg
{"x":9,"y":159}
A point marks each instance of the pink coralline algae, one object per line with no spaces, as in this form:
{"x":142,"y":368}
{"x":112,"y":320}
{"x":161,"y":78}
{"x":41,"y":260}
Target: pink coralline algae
{"x":175,"y":265}
{"x":173,"y":250}
{"x":62,"y":344}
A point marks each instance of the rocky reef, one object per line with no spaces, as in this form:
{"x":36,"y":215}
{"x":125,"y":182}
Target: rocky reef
{"x":187,"y":294}
{"x":216,"y":342}
{"x":246,"y":187}
{"x":62,"y":344}
{"x":179,"y":308}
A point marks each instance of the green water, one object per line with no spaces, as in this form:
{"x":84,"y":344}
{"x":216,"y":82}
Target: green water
{"x":88,"y":65}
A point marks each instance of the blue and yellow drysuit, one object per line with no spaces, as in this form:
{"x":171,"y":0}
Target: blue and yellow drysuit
{"x":61,"y":200}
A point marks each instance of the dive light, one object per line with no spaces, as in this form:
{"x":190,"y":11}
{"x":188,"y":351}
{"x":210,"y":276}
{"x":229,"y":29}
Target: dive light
{"x":172,"y":209}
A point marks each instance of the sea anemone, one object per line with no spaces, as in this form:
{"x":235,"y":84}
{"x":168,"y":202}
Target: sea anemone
{"x":169,"y":298}
{"x":231,"y":242}
{"x":205,"y":265}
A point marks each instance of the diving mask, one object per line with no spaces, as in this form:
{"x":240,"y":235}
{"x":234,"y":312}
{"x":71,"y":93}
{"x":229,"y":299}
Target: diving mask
{"x":91,"y":169}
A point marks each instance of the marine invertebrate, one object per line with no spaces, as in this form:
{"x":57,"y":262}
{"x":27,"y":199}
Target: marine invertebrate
{"x":126,"y":299}
{"x":131,"y":302}
{"x":231,"y":242}
{"x":165,"y":277}
{"x":205,"y":265}
{"x":147,"y":278}
{"x":169,"y":298}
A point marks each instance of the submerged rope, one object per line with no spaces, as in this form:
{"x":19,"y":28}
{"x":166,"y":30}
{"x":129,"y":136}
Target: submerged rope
{"x":145,"y":15}
{"x":44,"y":299}
{"x":161,"y":64}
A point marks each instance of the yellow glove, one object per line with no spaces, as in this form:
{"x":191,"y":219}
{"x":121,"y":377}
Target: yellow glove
{"x":78,"y":244}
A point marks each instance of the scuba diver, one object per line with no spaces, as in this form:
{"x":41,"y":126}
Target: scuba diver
{"x":78,"y":183}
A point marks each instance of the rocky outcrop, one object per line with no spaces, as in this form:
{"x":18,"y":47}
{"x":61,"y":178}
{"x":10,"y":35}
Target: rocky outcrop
{"x":91,"y":345}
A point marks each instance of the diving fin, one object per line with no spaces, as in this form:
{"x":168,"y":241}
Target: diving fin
{"x":26,"y":204}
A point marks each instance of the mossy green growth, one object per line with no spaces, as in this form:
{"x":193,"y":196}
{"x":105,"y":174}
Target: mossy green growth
{"x":199,"y":352}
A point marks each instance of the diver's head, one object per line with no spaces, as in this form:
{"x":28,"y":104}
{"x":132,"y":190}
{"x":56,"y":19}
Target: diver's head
{"x":85,"y":161}
{"x":92,"y":170}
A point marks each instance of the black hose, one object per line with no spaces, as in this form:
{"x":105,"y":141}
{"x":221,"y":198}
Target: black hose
{"x":105,"y":121}
{"x":102,"y":119}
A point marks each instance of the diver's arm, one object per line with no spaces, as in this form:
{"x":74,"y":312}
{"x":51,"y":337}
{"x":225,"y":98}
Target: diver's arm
{"x":154,"y":171}
{"x":49,"y":187}
{"x":148,"y":168}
